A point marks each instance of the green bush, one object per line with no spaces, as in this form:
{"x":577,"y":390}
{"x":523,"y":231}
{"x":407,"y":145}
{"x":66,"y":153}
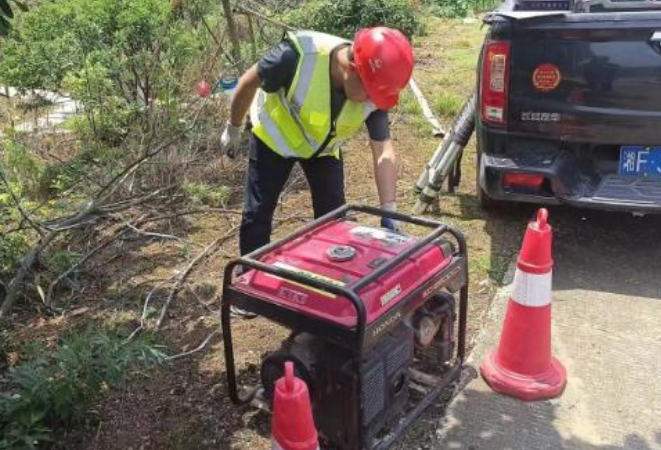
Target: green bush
{"x":20,"y":166}
{"x":113,"y":56}
{"x":51,"y":389}
{"x":13,"y":248}
{"x":7,"y":12}
{"x":108,"y":114}
{"x":203,"y":194}
{"x":460,"y":8}
{"x":344,"y":17}
{"x":450,"y":8}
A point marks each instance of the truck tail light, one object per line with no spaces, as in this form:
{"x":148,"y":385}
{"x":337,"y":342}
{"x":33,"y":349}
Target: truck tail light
{"x":527,"y":181}
{"x":495,"y":82}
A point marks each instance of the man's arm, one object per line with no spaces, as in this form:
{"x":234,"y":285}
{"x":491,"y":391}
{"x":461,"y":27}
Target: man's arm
{"x":248,"y":85}
{"x":272,"y":73}
{"x":385,"y":172}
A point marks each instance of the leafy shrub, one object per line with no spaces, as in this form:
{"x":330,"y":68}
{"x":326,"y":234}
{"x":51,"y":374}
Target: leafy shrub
{"x":108,"y":114}
{"x":203,"y":194}
{"x":48,"y":390}
{"x":113,"y":56}
{"x":450,"y":8}
{"x":7,"y":13}
{"x":460,"y":8}
{"x":22,"y":169}
{"x":59,"y":261}
{"x":13,"y":248}
{"x":344,"y":17}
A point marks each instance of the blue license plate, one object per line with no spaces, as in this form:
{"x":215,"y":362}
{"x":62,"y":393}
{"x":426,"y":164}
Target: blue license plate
{"x":640,"y":161}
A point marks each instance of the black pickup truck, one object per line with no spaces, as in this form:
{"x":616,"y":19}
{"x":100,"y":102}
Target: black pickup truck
{"x":569,"y":108}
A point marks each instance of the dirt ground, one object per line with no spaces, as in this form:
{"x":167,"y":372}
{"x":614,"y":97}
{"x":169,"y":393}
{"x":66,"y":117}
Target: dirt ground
{"x":184,"y":405}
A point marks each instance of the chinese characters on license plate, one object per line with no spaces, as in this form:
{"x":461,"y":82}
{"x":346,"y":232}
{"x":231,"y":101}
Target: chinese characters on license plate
{"x":640,"y":161}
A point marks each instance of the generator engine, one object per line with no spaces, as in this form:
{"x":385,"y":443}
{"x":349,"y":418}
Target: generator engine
{"x":331,"y":372}
{"x":372,"y":316}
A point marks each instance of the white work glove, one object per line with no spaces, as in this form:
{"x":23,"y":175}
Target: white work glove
{"x":230,"y":139}
{"x":386,"y":222}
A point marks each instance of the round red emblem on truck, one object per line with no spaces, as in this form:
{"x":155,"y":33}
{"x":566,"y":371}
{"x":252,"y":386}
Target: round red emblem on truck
{"x":546,"y":77}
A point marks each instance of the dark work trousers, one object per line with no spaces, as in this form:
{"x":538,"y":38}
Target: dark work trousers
{"x":267,"y":174}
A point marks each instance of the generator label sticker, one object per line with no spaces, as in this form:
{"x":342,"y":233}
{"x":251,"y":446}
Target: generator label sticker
{"x":546,"y":77}
{"x":292,"y":295}
{"x":390,"y":295}
{"x":378,"y":234}
{"x":307,"y":273}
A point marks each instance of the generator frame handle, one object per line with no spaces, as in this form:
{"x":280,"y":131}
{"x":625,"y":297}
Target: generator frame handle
{"x":350,"y":292}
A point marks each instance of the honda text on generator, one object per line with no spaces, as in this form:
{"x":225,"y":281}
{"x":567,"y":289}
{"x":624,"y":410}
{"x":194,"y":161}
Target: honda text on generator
{"x":372,"y":319}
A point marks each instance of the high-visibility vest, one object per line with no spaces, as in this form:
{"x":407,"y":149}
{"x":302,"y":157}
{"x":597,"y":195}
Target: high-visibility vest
{"x":297,"y":123}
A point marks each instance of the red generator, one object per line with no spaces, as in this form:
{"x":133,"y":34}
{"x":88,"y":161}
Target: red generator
{"x":372,"y":316}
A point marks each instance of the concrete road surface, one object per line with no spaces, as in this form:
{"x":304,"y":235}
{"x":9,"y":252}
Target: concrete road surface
{"x":607,"y":332}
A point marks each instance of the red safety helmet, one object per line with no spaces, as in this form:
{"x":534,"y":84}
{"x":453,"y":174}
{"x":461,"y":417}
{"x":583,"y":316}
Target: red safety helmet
{"x":384,"y":60}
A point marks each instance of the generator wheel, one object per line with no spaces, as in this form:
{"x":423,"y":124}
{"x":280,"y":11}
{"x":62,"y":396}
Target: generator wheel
{"x":273,"y":368}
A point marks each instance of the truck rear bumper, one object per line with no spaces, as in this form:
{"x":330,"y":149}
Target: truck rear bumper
{"x":568,"y":181}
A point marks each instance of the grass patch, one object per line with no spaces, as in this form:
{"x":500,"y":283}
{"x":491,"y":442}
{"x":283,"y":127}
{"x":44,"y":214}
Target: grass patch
{"x":408,"y":104}
{"x":464,"y":59}
{"x":448,"y":104}
{"x":204,"y":194}
{"x":463,"y":43}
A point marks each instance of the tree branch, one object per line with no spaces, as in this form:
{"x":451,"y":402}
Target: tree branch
{"x":118,"y":180}
{"x":49,"y":296}
{"x":181,"y":278}
{"x":14,"y":286}
{"x":199,"y":348}
{"x":261,"y":16}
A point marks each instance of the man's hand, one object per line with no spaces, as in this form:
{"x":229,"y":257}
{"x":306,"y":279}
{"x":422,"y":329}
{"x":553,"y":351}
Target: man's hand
{"x":388,"y":223}
{"x":230,"y":139}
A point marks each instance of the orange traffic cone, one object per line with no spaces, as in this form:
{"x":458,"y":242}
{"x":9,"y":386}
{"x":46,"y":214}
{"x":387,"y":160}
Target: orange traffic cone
{"x":292,"y":425}
{"x":522,"y":366}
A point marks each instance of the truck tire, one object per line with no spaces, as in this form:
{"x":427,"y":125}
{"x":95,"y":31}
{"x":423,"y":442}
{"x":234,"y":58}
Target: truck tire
{"x":486,"y":202}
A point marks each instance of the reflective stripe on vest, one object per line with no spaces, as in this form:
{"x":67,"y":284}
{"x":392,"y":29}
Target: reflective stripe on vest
{"x":298,"y":123}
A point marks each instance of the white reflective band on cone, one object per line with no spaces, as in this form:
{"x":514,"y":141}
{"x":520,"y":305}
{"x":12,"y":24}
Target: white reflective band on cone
{"x":276,"y":446}
{"x":532,"y":289}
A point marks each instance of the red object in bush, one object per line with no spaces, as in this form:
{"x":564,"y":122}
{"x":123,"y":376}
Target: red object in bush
{"x":203,"y":89}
